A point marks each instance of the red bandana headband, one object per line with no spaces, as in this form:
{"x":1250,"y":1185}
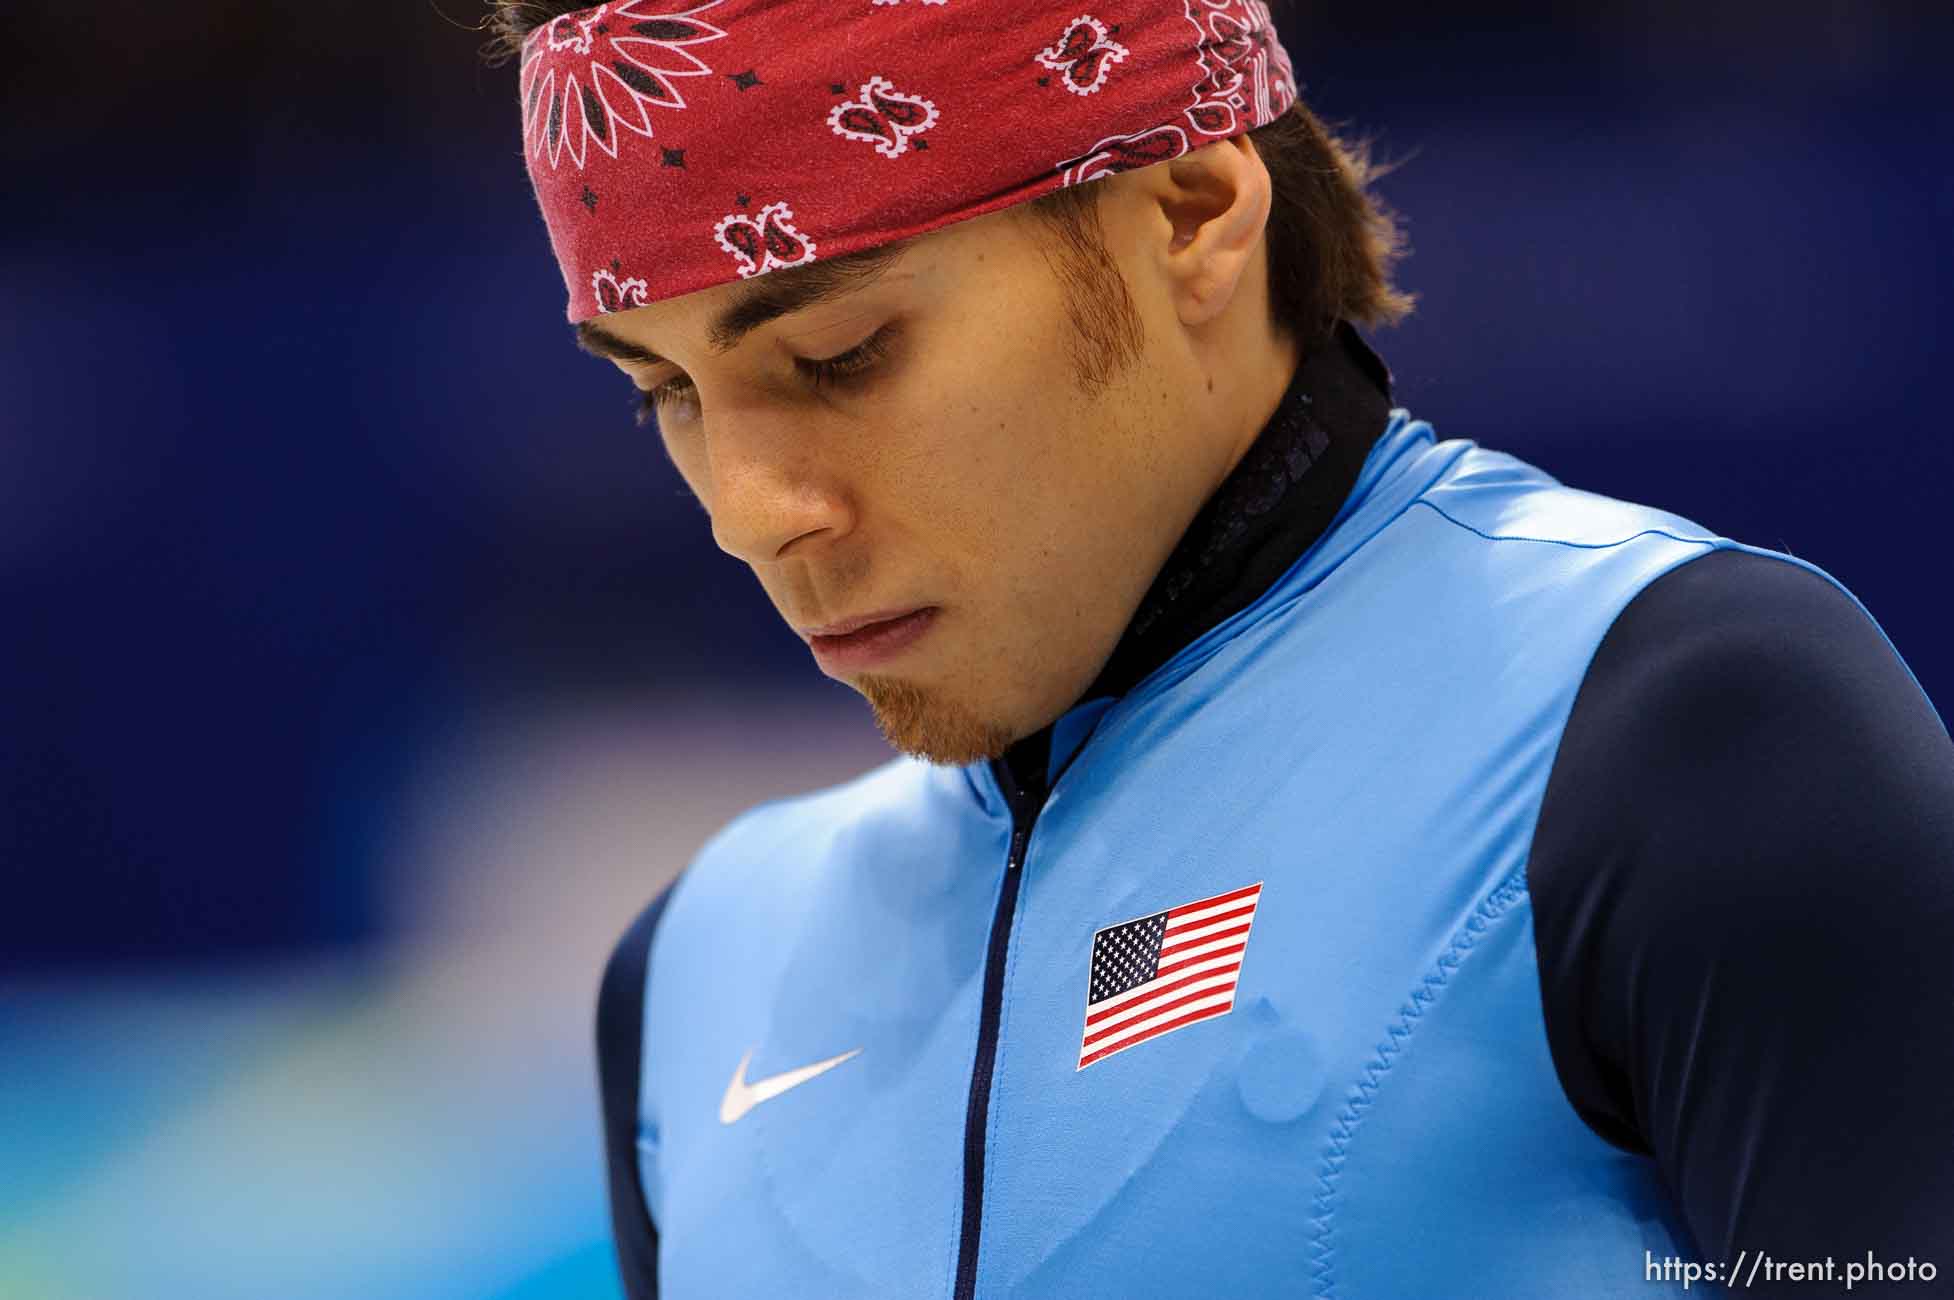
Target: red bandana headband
{"x":676,"y":149}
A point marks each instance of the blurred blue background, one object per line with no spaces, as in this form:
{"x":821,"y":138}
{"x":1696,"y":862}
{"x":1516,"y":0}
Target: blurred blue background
{"x":365,"y":667}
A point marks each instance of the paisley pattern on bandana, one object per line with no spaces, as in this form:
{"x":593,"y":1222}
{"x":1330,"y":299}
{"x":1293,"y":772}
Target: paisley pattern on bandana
{"x":1241,"y":65}
{"x":883,"y":115}
{"x":614,"y":294}
{"x":880,"y":120}
{"x":1084,"y":55}
{"x":1243,"y":80}
{"x":767,"y":242}
{"x":586,"y":74}
{"x":1123,"y":153}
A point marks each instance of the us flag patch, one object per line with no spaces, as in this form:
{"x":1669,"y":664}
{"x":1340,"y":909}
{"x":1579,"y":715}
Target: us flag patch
{"x":1166,"y":971}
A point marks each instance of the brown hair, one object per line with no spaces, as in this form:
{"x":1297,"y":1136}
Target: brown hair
{"x":1331,"y":243}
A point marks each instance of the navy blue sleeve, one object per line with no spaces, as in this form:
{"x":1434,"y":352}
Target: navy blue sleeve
{"x":620,"y":1057}
{"x":1743,"y":886}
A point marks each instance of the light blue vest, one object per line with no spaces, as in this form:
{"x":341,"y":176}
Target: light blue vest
{"x":1377,"y":1116}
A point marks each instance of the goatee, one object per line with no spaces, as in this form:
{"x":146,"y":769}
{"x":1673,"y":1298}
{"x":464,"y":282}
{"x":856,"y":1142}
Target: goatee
{"x":925,"y":725}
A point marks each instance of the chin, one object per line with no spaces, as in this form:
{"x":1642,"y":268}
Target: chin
{"x":924,"y":723}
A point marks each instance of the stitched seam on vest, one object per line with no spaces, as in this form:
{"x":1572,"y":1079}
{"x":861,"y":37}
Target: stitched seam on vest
{"x":1560,"y":541}
{"x":1397,"y":1036}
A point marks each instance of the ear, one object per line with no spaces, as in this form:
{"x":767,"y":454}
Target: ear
{"x":1213,"y":204}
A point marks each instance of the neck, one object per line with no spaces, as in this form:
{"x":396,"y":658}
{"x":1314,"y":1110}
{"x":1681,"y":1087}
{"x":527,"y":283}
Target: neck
{"x":1281,"y":495}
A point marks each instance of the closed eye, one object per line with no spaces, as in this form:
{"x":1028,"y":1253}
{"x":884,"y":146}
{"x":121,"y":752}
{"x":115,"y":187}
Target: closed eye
{"x":825,"y":372}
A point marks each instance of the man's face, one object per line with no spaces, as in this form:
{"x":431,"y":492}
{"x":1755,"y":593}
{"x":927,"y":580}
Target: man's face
{"x":973,"y":470}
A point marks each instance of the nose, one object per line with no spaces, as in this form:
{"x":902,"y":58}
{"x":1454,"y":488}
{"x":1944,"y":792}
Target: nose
{"x":772,"y":493}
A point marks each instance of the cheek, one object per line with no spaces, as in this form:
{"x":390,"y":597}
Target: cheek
{"x":686,"y":450}
{"x":1008,"y":404}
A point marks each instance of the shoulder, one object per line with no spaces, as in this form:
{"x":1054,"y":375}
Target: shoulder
{"x":1743,"y":888}
{"x":1738,"y":642}
{"x":1502,"y":498}
{"x":1751,"y":794}
{"x":1742,"y":704}
{"x":758,"y":869}
{"x":752,"y":882}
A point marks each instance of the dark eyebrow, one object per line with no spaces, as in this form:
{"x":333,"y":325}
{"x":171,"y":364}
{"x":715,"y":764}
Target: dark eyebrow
{"x":771,"y":296}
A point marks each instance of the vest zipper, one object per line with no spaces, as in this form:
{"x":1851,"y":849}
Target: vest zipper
{"x":1025,"y":806}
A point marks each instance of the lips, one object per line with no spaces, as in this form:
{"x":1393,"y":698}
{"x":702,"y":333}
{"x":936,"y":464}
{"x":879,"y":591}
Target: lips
{"x":868,"y":640}
{"x":847,"y":625}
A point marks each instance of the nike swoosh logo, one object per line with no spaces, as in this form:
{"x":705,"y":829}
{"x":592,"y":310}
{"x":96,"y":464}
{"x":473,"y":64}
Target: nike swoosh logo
{"x":742,"y":1096}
